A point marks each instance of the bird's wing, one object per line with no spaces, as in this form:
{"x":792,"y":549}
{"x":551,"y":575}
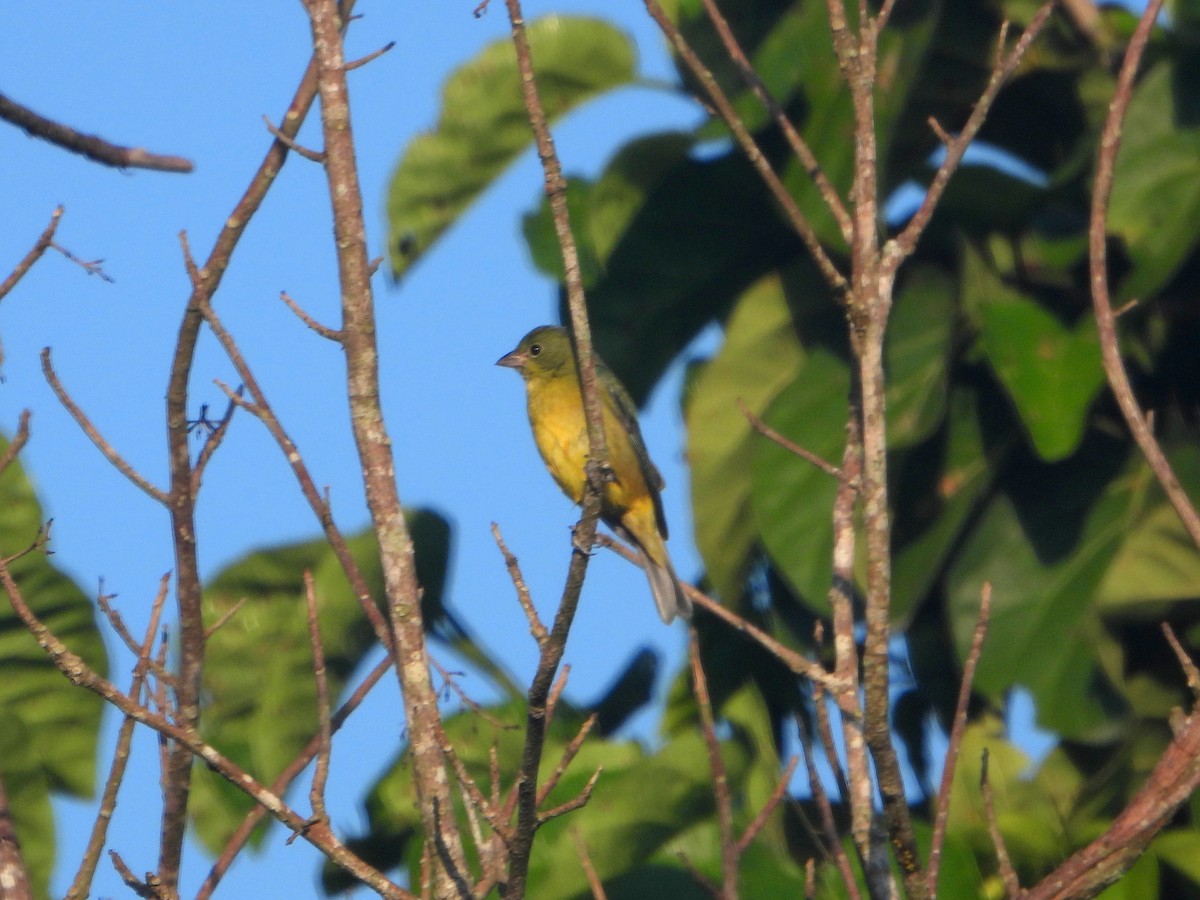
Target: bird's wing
{"x":625,"y":410}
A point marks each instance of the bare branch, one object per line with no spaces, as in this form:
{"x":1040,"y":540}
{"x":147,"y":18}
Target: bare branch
{"x":81,"y":885}
{"x":279,"y":786}
{"x":777,"y":795}
{"x":745,"y":140}
{"x":950,"y":760}
{"x":536,"y":628}
{"x":902,"y":246}
{"x":95,"y":436}
{"x":799,"y":146}
{"x":40,"y":246}
{"x":292,"y":144}
{"x":771,"y":434}
{"x":1008,"y":874}
{"x":18,"y":442}
{"x":332,"y":334}
{"x":729,"y":844}
{"x":316,"y":794}
{"x":373,"y":55}
{"x":1110,"y":351}
{"x":88,"y":145}
{"x":80,"y":674}
{"x":594,"y":882}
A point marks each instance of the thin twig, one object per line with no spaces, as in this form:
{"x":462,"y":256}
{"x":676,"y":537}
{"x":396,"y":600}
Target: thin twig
{"x":91,"y":266}
{"x":374,"y":54}
{"x":578,"y":802}
{"x":536,"y":628}
{"x":40,"y":246}
{"x":82,"y":883}
{"x":760,"y":819}
{"x":750,"y":148}
{"x":292,"y":144}
{"x":1012,"y":884}
{"x":88,"y":145}
{"x":770,"y":433}
{"x":18,"y":442}
{"x":569,"y":753}
{"x":1110,"y":350}
{"x":212,"y":443}
{"x":902,"y":246}
{"x":95,"y":436}
{"x":316,"y":794}
{"x":332,"y":334}
{"x":950,"y":760}
{"x":1185,"y":661}
{"x":724,"y":802}
{"x":224,"y":618}
{"x":799,"y":146}
{"x":594,"y":882}
{"x":797,"y":663}
{"x":833,"y":840}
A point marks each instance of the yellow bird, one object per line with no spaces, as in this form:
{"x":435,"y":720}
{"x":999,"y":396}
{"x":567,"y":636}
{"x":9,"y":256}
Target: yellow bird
{"x":631,"y":505}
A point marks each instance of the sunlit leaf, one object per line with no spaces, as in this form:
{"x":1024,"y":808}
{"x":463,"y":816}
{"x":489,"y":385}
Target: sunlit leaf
{"x":483,"y":124}
{"x":1044,"y":546}
{"x":791,"y":499}
{"x":1155,"y":205}
{"x":260,"y":708}
{"x":1051,"y":372}
{"x":760,"y":355}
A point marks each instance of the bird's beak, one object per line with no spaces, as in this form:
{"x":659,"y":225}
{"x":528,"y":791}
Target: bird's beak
{"x":514,"y":360}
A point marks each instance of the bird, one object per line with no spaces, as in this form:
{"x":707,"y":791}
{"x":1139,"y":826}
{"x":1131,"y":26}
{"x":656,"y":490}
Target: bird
{"x":630,"y":503}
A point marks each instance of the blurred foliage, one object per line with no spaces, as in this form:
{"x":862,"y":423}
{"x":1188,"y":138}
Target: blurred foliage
{"x":1009,"y":461}
{"x":48,"y":727}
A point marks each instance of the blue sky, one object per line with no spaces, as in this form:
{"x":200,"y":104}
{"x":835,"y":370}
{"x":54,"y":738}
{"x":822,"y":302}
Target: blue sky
{"x":195,"y":80}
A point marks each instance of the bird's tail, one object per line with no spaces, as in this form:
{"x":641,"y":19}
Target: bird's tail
{"x":664,"y":585}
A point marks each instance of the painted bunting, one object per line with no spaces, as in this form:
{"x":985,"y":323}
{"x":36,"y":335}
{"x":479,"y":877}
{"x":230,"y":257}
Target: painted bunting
{"x":631,"y":505}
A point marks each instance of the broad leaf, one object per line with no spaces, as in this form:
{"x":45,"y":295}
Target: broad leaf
{"x":260,"y":707}
{"x":917,"y":353}
{"x":1044,"y":545}
{"x":1051,"y":372}
{"x":48,"y":727}
{"x":483,"y":124}
{"x":1155,"y":205}
{"x":761,"y":354}
{"x":792,"y":500}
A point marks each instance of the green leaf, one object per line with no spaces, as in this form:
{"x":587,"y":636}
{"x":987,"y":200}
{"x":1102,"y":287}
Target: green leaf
{"x":791,"y":499}
{"x":603,"y":209}
{"x":483,"y":124}
{"x":48,"y":727}
{"x":1044,"y":545}
{"x":928,"y":527}
{"x":706,"y":232}
{"x":1052,"y":373}
{"x":1155,"y":204}
{"x":261,"y":707}
{"x":1180,"y":849}
{"x":761,"y":355}
{"x":916,"y":355}
{"x":27,"y":790}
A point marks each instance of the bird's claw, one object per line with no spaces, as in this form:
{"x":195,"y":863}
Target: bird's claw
{"x":579,"y":545}
{"x":601,"y":472}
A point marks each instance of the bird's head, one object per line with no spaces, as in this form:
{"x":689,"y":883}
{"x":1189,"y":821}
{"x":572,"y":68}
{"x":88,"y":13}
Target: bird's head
{"x":544,"y":351}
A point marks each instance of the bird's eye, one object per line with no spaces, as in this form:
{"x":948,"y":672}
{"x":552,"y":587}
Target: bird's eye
{"x":535,"y":349}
